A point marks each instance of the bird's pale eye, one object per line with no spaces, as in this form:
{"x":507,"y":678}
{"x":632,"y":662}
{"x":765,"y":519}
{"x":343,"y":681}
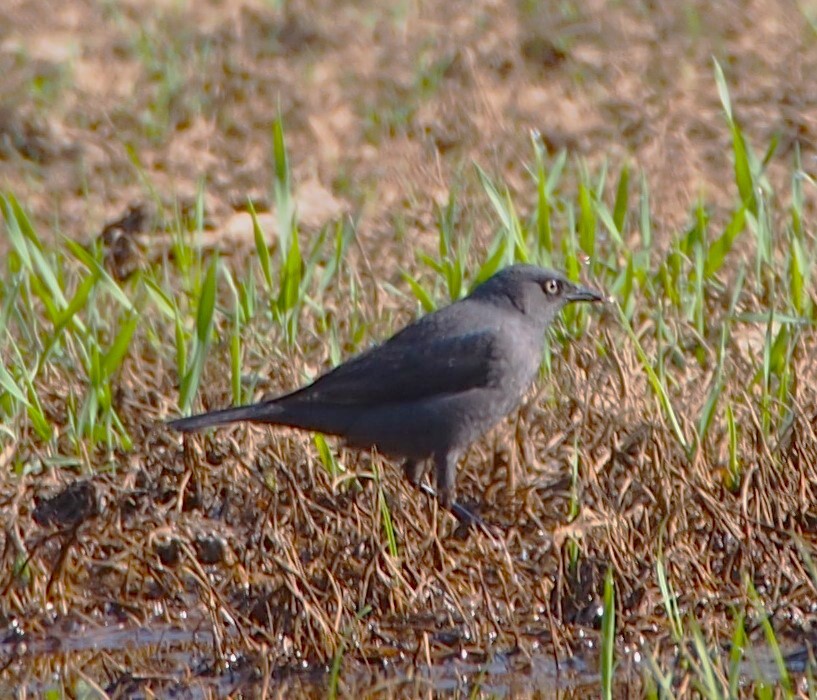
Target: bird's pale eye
{"x":552,"y":287}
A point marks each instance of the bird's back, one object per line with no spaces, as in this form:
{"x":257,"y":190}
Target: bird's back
{"x":446,"y":378}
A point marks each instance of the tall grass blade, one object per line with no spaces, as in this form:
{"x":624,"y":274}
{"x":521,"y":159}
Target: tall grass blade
{"x":736,"y":651}
{"x":112,"y":359}
{"x":608,"y":636}
{"x":657,"y":385}
{"x":261,"y":247}
{"x":204,"y":323}
{"x":421,"y":294}
{"x":621,"y":204}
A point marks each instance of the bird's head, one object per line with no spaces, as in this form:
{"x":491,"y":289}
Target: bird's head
{"x":535,"y":291}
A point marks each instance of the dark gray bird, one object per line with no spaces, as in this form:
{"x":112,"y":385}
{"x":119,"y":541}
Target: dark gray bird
{"x":436,"y":386}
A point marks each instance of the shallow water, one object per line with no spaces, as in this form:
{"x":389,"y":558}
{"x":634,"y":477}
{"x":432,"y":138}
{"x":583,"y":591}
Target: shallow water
{"x":186,"y":657}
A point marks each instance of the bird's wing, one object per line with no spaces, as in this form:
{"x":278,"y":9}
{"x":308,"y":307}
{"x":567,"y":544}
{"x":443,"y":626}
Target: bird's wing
{"x":401,"y":371}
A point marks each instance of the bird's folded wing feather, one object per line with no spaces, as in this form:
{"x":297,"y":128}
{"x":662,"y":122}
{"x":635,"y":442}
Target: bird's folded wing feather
{"x":397,"y":372}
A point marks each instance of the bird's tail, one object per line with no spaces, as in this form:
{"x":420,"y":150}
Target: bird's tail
{"x":258,"y":413}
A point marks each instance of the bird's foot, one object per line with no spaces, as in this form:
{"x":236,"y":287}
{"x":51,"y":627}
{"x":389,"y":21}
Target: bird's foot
{"x":467,"y":518}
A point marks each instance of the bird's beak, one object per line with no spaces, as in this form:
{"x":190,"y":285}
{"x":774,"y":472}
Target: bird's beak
{"x":579,"y":293}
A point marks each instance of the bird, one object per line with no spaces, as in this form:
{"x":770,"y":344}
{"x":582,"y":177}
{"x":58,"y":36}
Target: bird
{"x":433,"y":388}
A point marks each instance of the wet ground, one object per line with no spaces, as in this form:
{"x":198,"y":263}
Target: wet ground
{"x":190,"y":672}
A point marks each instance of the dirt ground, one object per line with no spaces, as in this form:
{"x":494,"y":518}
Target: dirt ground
{"x":385,"y":110}
{"x":112,"y":105}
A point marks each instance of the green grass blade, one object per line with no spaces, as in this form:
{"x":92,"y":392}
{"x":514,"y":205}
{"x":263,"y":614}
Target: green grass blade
{"x":388,"y":524}
{"x":160,"y":298}
{"x":706,"y":673}
{"x":261,"y":247}
{"x":587,"y":221}
{"x":544,"y":227}
{"x":279,"y":153}
{"x":495,"y":260}
{"x":207,"y":303}
{"x":496,"y":199}
{"x":645,"y":218}
{"x":620,"y":207}
{"x":421,"y":294}
{"x":46,"y":273}
{"x":723,"y":90}
{"x":34,"y":409}
{"x":736,"y":650}
{"x":181,"y":345}
{"x":721,"y":247}
{"x":9,"y":206}
{"x":603,"y":214}
{"x":656,"y":384}
{"x":289,"y":293}
{"x":116,"y":353}
{"x":556,"y":170}
{"x":326,"y":456}
{"x":668,"y":597}
{"x":235,"y":353}
{"x":608,"y":636}
{"x":798,"y":271}
{"x":734,"y":460}
{"x":204,"y":323}
{"x":77,"y":303}
{"x":743,"y":170}
{"x":711,"y":403}
{"x":8,"y":383}
{"x":99,"y":272}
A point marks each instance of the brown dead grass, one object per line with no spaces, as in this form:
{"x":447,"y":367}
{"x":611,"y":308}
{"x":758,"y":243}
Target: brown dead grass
{"x":244,"y":535}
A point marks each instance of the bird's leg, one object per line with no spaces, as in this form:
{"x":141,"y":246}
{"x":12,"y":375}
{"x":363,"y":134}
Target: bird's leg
{"x":413,"y":469}
{"x":446,"y":464}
